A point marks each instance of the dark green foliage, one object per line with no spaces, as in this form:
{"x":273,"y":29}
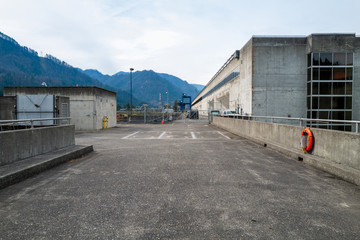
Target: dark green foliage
{"x":21,"y":66}
{"x":175,"y":106}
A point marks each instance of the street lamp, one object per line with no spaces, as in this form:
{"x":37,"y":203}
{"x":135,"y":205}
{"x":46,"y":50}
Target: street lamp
{"x":131,"y":69}
{"x":167,"y":105}
{"x":167,"y":100}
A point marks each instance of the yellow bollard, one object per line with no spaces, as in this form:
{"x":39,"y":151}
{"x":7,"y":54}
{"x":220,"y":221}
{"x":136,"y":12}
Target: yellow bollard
{"x":106,"y":122}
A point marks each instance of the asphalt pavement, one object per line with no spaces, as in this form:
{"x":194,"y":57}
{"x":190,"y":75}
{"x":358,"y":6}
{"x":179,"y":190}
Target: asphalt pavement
{"x":185,"y":180}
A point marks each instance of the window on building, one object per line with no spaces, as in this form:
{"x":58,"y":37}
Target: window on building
{"x":338,"y":102}
{"x":325,"y":103}
{"x":338,"y":88}
{"x":339,"y":74}
{"x":315,"y":88}
{"x":329,"y":88}
{"x":315,"y":74}
{"x":325,"y":59}
{"x":325,"y":88}
{"x":339,"y":59}
{"x":325,"y":74}
{"x":348,"y":88}
{"x":316,"y":59}
{"x":349,"y":73}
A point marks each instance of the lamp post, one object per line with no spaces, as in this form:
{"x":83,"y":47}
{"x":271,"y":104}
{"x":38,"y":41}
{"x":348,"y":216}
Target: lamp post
{"x":167,"y":106}
{"x":131,"y":69}
{"x":167,"y":100}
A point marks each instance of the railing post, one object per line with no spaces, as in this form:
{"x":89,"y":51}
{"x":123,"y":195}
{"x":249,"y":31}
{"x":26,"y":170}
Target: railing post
{"x":32,"y":123}
{"x":357,"y":128}
{"x":300,"y":123}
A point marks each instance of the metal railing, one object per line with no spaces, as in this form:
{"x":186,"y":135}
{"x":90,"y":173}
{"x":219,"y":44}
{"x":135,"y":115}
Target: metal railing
{"x":31,"y":121}
{"x":301,"y":121}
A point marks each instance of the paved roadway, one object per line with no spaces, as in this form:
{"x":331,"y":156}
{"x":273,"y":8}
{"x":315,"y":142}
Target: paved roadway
{"x":179,"y":181}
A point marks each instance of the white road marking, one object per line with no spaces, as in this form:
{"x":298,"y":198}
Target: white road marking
{"x":223,"y":135}
{"x":130,"y":135}
{"x":162,"y":134}
{"x":193,"y":135}
{"x":344,"y":205}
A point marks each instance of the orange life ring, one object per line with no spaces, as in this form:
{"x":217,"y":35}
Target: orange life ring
{"x":307,"y":132}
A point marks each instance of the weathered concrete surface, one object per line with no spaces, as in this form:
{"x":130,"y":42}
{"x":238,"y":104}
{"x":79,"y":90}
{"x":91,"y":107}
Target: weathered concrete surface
{"x":273,"y":76}
{"x":180,"y":181}
{"x":333,"y":151}
{"x":88,"y":105}
{"x":20,"y":144}
{"x":7,"y":107}
{"x":18,"y":171}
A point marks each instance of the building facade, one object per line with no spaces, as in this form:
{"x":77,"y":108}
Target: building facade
{"x":88,"y":105}
{"x":289,"y":76}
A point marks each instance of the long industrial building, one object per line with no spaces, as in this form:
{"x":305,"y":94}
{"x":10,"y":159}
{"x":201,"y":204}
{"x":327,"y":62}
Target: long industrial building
{"x":315,"y":76}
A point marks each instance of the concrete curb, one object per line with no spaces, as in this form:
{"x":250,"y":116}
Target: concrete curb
{"x":346,"y":173}
{"x":19,"y":171}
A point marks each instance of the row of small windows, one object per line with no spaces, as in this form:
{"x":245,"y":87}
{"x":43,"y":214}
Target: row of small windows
{"x":330,"y":59}
{"x":329,"y":74}
{"x":338,"y":115}
{"x":329,"y":103}
{"x":329,"y":88}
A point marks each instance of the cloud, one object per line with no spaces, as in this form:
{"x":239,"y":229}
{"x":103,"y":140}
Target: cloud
{"x":188,"y":38}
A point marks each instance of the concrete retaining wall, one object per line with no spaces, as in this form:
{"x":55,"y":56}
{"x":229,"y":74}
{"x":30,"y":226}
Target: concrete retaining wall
{"x":334,"y":151}
{"x":20,"y":144}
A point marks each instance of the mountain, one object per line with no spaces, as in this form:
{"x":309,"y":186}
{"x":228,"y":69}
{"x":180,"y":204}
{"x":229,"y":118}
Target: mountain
{"x":183,"y":85}
{"x":21,"y":66}
{"x":93,"y":73}
{"x":148,"y":85}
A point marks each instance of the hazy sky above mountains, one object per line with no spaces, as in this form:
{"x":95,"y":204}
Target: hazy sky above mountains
{"x":190,"y":39}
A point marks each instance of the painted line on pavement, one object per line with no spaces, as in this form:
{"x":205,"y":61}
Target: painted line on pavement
{"x":193,"y":135}
{"x":162,"y":134}
{"x":130,"y":135}
{"x":223,"y":135}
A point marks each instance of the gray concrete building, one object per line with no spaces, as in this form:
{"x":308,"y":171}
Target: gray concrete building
{"x":21,"y":107}
{"x":315,"y":76}
{"x":88,"y":105}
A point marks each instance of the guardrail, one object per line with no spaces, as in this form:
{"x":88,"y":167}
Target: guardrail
{"x":31,"y":121}
{"x":300,"y":120}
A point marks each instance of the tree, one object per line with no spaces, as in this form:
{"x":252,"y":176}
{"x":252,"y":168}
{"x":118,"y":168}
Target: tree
{"x":118,"y":106}
{"x":175,"y":106}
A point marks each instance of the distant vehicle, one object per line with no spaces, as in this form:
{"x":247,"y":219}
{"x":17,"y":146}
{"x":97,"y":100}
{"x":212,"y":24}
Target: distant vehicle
{"x":168,"y":110}
{"x":215,"y":112}
{"x":228,"y":112}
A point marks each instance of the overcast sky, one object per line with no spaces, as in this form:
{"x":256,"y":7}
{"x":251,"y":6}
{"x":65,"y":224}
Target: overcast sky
{"x":190,"y":39}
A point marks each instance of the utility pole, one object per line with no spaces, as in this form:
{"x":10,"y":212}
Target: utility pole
{"x":131,"y":69}
{"x":167,"y":105}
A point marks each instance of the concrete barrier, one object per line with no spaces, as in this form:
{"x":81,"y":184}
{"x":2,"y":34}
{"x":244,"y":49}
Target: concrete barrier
{"x":336,"y":152}
{"x":20,"y":144}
